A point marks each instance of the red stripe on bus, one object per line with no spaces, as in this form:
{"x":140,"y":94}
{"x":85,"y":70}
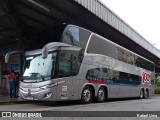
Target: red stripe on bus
{"x":97,"y":82}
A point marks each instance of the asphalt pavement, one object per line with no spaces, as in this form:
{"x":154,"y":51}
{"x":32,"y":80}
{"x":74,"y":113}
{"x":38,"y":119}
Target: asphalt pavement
{"x":127,"y":106}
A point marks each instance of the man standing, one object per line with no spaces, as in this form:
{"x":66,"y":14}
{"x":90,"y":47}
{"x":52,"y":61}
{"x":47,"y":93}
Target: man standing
{"x":17,"y":84}
{"x":12,"y":78}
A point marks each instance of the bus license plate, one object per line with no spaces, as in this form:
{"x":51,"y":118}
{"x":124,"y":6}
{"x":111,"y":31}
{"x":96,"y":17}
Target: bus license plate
{"x":29,"y":98}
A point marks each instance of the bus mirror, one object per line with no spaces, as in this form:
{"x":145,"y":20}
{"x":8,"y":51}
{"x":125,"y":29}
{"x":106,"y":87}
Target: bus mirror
{"x":81,"y":54}
{"x":10,"y":53}
{"x":50,"y":46}
{"x":7,"y":58}
{"x":27,"y":64}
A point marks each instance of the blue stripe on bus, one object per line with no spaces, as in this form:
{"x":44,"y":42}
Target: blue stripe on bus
{"x":122,"y":84}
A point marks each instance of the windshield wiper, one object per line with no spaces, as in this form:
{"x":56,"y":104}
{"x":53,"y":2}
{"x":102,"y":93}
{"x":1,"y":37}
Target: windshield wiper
{"x":42,"y":77}
{"x":39,"y":75}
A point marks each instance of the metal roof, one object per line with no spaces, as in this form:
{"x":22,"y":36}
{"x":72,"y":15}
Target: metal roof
{"x":8,"y":28}
{"x":104,"y":13}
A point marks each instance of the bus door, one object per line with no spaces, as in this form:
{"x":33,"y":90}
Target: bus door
{"x":68,"y":88}
{"x":75,"y":88}
{"x":64,"y":88}
{"x":67,"y":69}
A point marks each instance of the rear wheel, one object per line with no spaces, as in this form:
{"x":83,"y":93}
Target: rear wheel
{"x":141,"y":95}
{"x":87,"y":95}
{"x":145,"y":94}
{"x":101,"y":95}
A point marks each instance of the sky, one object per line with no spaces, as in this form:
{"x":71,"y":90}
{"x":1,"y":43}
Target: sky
{"x":142,"y":15}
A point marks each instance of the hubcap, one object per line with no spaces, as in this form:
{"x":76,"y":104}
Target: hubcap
{"x":141,"y":94}
{"x":86,"y":95}
{"x":100,"y":94}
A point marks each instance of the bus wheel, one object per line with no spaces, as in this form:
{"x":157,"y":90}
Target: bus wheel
{"x":141,"y":96}
{"x":87,"y":95}
{"x":101,"y":95}
{"x":145,"y":94}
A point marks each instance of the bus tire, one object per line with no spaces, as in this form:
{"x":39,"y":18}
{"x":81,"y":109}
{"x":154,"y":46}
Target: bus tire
{"x":141,"y":95}
{"x":101,"y":95}
{"x":87,"y":95}
{"x":145,"y":94}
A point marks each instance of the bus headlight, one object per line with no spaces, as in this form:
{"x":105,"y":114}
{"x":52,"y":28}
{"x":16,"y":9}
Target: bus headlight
{"x":20,"y":87}
{"x":45,"y":87}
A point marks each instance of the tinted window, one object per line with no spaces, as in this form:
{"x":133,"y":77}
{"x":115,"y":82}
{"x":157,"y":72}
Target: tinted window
{"x":64,"y":68}
{"x":108,"y":75}
{"x":68,"y":63}
{"x":99,"y":45}
{"x":129,"y":78}
{"x":130,"y":58}
{"x":140,"y":62}
{"x":125,"y":56}
{"x":100,"y":74}
{"x":76,"y":36}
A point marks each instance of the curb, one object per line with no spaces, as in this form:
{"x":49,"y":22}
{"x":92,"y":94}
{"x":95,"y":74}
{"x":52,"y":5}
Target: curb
{"x":19,"y":102}
{"x":7,"y":102}
{"x":16,"y":102}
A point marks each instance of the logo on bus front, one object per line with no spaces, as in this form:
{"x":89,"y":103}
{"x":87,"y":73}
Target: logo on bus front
{"x":29,"y":85}
{"x":146,"y":77}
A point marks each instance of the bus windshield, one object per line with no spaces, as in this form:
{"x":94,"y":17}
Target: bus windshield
{"x":38,"y":68}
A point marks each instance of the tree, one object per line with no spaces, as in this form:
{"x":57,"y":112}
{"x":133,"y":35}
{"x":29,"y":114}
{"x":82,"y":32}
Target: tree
{"x":157,"y":81}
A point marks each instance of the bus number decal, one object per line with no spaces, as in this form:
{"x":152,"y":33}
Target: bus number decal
{"x":146,"y":77}
{"x":64,"y":88}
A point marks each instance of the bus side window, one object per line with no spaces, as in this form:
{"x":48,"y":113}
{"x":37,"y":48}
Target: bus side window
{"x":76,"y":36}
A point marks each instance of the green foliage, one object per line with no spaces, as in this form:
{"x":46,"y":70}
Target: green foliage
{"x":157,"y":90}
{"x":157,"y":85}
{"x":157,"y":81}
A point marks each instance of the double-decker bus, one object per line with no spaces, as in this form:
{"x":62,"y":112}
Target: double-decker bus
{"x":84,"y":66}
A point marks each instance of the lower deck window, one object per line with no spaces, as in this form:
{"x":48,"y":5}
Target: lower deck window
{"x":108,"y":75}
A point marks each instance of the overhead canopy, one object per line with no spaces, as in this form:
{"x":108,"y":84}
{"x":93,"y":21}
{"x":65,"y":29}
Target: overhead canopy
{"x":31,"y":21}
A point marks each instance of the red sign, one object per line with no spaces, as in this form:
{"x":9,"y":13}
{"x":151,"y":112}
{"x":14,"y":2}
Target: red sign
{"x":146,"y":77}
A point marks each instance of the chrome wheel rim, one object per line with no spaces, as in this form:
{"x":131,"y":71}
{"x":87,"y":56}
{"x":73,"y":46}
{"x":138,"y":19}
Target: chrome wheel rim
{"x":141,"y":94}
{"x":86,"y":95}
{"x":101,"y":94}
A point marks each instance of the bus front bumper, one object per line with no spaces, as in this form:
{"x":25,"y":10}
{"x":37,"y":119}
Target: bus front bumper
{"x":39,"y":95}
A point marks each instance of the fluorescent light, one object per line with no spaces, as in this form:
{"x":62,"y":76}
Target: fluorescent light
{"x":39,"y":5}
